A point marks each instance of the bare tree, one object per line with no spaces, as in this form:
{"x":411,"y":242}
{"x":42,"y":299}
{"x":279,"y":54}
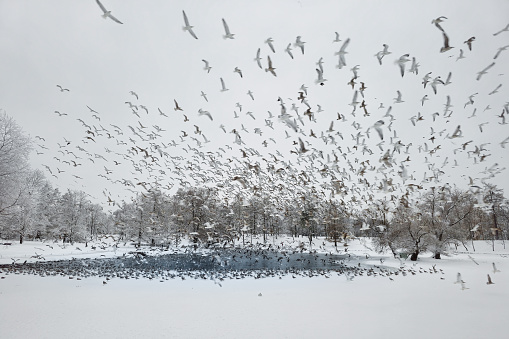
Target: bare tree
{"x":15,"y":148}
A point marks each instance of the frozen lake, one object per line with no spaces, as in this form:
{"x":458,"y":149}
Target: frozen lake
{"x":234,"y":262}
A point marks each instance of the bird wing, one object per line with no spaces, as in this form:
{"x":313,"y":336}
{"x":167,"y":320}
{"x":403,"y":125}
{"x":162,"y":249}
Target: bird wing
{"x":192,"y":33}
{"x":345,"y":44}
{"x":102,"y":6}
{"x":226,"y":29}
{"x":114,"y":19}
{"x":402,"y":68}
{"x":186,"y":21}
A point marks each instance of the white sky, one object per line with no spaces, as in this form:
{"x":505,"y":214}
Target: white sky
{"x":68,"y":43}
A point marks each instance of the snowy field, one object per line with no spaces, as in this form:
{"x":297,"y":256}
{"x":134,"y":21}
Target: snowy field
{"x":426,"y":304}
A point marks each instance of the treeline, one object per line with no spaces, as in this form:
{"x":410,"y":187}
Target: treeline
{"x":418,"y":220}
{"x":30,"y":207}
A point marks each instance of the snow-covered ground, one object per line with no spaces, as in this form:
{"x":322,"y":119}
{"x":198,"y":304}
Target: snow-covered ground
{"x":420,"y":305}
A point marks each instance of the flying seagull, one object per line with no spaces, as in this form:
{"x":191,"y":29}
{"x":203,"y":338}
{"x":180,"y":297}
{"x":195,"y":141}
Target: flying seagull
{"x":270,"y":69}
{"x":299,"y":43}
{"x":446,"y":46}
{"x":258,"y":59}
{"x":62,"y":89}
{"x":341,"y":53}
{"x":223,"y":86}
{"x":207,"y":66}
{"x":269,"y":42}
{"x":401,"y":63}
{"x":227,"y":34}
{"x":484,"y":71}
{"x":106,"y":13}
{"x":505,"y":29}
{"x":437,"y":22}
{"x":503,"y":48}
{"x":289,"y":50}
{"x":469,"y":42}
{"x":187,"y":26}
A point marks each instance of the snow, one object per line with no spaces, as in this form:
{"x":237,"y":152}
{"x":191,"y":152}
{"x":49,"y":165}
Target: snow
{"x":424,"y":305}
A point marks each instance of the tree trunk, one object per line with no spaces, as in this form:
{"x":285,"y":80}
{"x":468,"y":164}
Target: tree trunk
{"x":437,"y":255}
{"x":21,"y":239}
{"x":414,"y":256}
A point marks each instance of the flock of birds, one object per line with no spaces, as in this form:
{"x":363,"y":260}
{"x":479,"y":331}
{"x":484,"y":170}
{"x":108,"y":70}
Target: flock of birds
{"x":257,"y":261}
{"x":288,"y":154}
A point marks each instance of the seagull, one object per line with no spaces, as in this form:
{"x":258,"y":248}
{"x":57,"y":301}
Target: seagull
{"x":160,"y":112}
{"x":320,"y":79}
{"x":63,"y":89}
{"x":398,"y":100}
{"x":457,"y":133}
{"x":489,"y":281}
{"x":377,"y":126}
{"x":207,"y":113}
{"x":437,"y":22}
{"x":504,"y":142}
{"x":134,"y":94}
{"x":250,"y":94}
{"x":495,"y":90}
{"x":258,"y":59}
{"x":302,"y":148}
{"x":446,"y":46}
{"x":270,"y":69}
{"x":494,"y":268}
{"x":341,"y":53}
{"x":269,"y":42}
{"x":336,"y":39}
{"x":460,"y":56}
{"x":505,"y":29}
{"x":469,"y":42}
{"x":414,"y":68}
{"x":288,"y":50}
{"x":484,"y":71}
{"x":382,"y":53}
{"x":237,"y":70}
{"x":204,"y":96}
{"x":223,"y":87}
{"x":299,"y":43}
{"x":187,"y":26}
{"x":401,"y":63}
{"x":227,"y":35}
{"x":435,"y":83}
{"x":177,"y":107}
{"x":481,"y":125}
{"x":500,"y":50}
{"x":106,"y":13}
{"x":207,"y":66}
{"x":448,"y":80}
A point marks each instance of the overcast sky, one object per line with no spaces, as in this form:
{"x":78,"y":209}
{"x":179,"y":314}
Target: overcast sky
{"x":48,"y":43}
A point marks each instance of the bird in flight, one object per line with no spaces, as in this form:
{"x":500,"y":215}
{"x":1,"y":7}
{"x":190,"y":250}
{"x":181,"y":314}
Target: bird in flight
{"x":437,"y":22}
{"x":106,"y":13}
{"x":446,"y":46}
{"x":401,"y":63}
{"x":187,"y":26}
{"x":469,"y":42}
{"x":270,"y":69}
{"x":228,"y":34}
{"x":505,"y":29}
{"x":177,"y":107}
{"x":63,"y":89}
{"x":269,"y":42}
{"x":484,"y":71}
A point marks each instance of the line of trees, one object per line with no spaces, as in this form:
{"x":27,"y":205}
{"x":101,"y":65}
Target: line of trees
{"x":419,"y":220}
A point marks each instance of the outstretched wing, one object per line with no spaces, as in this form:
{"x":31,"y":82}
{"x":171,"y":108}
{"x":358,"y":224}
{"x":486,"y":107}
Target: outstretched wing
{"x":102,"y":6}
